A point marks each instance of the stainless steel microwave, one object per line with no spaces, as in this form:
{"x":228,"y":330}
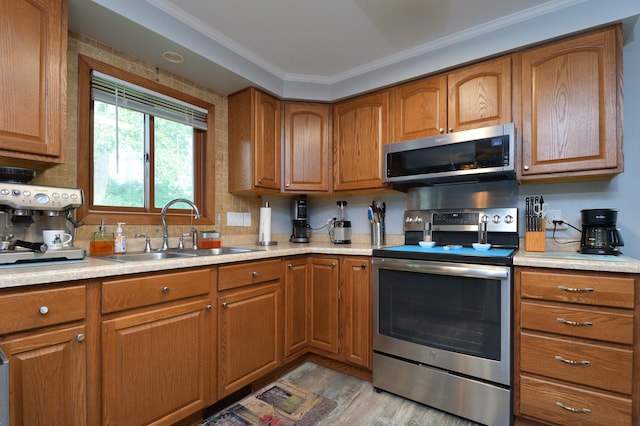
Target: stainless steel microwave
{"x":483,"y":154}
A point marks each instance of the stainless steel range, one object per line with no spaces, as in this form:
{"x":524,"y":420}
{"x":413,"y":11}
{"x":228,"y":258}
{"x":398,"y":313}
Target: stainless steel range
{"x":442,"y":315}
{"x":25,"y":211}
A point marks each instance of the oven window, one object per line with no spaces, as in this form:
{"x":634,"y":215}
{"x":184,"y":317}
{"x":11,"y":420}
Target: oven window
{"x":451,"y":313}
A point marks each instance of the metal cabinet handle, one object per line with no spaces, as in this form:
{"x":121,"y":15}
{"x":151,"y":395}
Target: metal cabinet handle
{"x":80,"y":337}
{"x":286,"y":185}
{"x":165,"y":290}
{"x":333,"y":265}
{"x":578,"y":323}
{"x":450,"y":129}
{"x":260,"y":180}
{"x":363,"y":266}
{"x":576,"y":290}
{"x":44,"y":310}
{"x":526,"y":167}
{"x":209,"y":308}
{"x":290,"y":266}
{"x":254,"y":273}
{"x":573,"y":410}
{"x":225,"y":305}
{"x":572,"y":362}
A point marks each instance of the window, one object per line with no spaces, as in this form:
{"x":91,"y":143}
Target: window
{"x":146,"y":144}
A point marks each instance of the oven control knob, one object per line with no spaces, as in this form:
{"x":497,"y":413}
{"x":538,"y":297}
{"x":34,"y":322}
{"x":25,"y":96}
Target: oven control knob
{"x":484,"y":219}
{"x":496,"y":218}
{"x":409,"y":220}
{"x":418,"y":219}
{"x":508,"y":219}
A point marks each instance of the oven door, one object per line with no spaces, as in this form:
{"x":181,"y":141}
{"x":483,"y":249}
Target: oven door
{"x":452,"y":316}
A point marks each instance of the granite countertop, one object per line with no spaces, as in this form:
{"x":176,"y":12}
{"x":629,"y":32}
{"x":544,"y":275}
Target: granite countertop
{"x":96,"y":267}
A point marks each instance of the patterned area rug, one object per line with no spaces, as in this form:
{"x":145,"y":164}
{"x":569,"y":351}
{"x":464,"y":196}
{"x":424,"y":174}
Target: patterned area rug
{"x":279,"y":403}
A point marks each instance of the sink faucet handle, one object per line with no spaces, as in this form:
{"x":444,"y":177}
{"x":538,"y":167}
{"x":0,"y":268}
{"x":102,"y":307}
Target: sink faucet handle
{"x":147,"y":241}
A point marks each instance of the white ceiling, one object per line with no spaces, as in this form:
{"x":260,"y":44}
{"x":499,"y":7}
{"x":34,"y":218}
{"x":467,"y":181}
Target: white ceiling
{"x":328,"y":49}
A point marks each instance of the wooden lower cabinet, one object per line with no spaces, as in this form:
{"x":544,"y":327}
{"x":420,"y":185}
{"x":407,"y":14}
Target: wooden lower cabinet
{"x":48,"y":378}
{"x":323,"y":316}
{"x":575,"y":338}
{"x":249,"y":335}
{"x":155,"y":364}
{"x":43,"y":332}
{"x":296,"y":305}
{"x":355,"y":276}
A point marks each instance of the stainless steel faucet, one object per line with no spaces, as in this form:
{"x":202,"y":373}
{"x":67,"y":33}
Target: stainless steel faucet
{"x":163,"y":216}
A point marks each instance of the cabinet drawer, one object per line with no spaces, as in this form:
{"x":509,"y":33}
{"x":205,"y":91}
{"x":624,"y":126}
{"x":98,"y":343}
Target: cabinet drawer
{"x":35,"y":309}
{"x":592,"y":365}
{"x":241,"y":274}
{"x":571,"y":320}
{"x":588,"y":289}
{"x":555,"y":403}
{"x":135,"y":292}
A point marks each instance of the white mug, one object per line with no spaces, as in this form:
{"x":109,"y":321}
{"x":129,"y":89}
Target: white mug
{"x":56,"y":238}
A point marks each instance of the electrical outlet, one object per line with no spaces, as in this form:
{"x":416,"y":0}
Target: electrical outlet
{"x":555,"y":215}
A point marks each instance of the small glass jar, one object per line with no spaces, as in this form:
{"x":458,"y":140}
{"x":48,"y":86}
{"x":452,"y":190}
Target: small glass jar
{"x":209,"y":240}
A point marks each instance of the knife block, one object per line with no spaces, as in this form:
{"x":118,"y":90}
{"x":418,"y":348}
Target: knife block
{"x":534,"y":240}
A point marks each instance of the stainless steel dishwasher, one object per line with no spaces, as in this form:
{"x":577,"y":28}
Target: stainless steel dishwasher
{"x":4,"y":389}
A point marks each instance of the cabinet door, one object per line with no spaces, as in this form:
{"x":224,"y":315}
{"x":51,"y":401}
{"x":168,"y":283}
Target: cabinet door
{"x":356,"y":295}
{"x":48,"y":378}
{"x":571,"y":122}
{"x":419,"y":109}
{"x":296,"y":305}
{"x":306,"y":147}
{"x":249,"y":336}
{"x":360,"y":130}
{"x":254,"y":142}
{"x":480,"y":95}
{"x":32,"y":79}
{"x":267,"y":141}
{"x":155,"y":364}
{"x":324,"y":283}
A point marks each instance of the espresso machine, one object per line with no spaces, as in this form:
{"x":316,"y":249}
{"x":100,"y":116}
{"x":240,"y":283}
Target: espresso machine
{"x":25,"y":211}
{"x":300,"y":219}
{"x":600,"y":234}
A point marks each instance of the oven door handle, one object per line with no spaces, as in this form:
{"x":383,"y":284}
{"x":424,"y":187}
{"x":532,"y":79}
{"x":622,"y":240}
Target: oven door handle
{"x":440,"y":268}
{"x":469,"y":271}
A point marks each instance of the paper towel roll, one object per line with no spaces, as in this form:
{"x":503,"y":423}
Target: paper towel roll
{"x":264,"y":234}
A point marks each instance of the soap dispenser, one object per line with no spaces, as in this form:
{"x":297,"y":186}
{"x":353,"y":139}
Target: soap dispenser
{"x":120,"y":242}
{"x":102,"y":241}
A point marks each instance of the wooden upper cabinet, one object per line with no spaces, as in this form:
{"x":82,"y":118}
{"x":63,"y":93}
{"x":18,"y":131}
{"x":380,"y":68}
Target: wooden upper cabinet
{"x":479,"y":95}
{"x":360,"y":131}
{"x":572,"y":108}
{"x":307,"y":161}
{"x":33,"y":71}
{"x":254,"y":142}
{"x":419,"y":109}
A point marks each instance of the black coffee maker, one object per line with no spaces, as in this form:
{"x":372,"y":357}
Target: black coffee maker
{"x":599,"y":232}
{"x":300,"y":218}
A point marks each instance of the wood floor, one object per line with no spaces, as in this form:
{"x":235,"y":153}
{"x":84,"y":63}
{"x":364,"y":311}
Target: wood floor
{"x":360,"y":404}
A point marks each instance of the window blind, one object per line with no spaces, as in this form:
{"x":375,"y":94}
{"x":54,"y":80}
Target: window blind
{"x":106,"y":88}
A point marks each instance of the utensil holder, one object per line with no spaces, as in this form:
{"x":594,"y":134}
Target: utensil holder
{"x":377,"y":233}
{"x":534,"y":240}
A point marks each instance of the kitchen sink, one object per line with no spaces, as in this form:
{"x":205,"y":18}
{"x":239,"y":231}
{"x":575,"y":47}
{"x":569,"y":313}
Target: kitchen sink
{"x":215,"y":251}
{"x":173,"y":254}
{"x":138,"y":257}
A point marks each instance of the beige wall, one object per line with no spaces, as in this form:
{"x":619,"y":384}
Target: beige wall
{"x":65,"y":174}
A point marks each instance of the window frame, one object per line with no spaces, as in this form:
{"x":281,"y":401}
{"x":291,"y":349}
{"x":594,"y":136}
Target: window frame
{"x":204,"y":154}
